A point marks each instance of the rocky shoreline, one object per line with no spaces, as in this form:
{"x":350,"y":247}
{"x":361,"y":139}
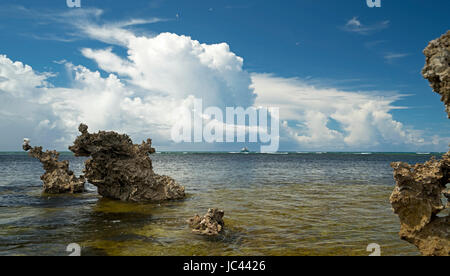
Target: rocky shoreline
{"x":419,"y":192}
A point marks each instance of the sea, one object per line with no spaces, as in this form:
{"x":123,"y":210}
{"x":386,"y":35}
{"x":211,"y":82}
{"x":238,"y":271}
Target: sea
{"x":287,"y":204}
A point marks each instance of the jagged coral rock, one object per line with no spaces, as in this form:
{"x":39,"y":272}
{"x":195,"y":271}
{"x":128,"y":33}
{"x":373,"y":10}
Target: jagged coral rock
{"x":418,"y":194}
{"x":122,"y":170}
{"x":211,"y":224}
{"x":437,"y":67}
{"x":58,"y":179}
{"x":417,"y":199}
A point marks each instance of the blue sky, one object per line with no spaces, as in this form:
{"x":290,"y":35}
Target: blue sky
{"x":325,"y":48}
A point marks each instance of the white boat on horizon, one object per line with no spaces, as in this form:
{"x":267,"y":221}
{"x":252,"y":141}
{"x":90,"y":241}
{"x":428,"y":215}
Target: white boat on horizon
{"x":245,"y":150}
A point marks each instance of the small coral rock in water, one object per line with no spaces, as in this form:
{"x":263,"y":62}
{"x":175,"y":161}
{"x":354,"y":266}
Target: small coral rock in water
{"x":122,"y":170}
{"x":211,"y":224}
{"x":437,"y":67}
{"x":58,"y":179}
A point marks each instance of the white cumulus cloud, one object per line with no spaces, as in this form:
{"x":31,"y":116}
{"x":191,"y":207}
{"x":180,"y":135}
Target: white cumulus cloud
{"x":332,"y":118}
{"x":354,"y":25}
{"x":144,"y":90}
{"x":178,"y":66}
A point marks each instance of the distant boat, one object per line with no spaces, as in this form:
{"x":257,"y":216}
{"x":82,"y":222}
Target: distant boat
{"x":245,"y":150}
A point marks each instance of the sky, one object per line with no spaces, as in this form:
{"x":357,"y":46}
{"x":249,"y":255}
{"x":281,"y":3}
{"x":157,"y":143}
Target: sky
{"x":344,"y":76}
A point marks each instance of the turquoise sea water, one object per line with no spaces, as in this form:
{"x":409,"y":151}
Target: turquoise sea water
{"x":281,"y":204}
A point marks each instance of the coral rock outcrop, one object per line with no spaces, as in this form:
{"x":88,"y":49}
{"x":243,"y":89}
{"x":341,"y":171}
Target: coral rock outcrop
{"x":122,"y":170}
{"x":437,"y":67}
{"x":420,"y":190}
{"x":58,"y":179}
{"x":417,"y":200}
{"x":211,"y":224}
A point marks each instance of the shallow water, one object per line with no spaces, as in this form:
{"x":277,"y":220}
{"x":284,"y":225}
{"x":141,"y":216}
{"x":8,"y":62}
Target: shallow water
{"x":296,"y":204}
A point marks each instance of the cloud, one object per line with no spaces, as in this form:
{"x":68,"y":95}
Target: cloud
{"x":112,"y":33}
{"x":378,"y":47}
{"x":19,"y":79}
{"x":80,"y":19}
{"x":354,"y":22}
{"x":354,"y":25}
{"x":144,"y":90}
{"x":360,"y":119}
{"x":390,"y":57}
{"x":44,"y":15}
{"x":167,"y":71}
{"x":67,"y":39}
{"x":21,"y":88}
{"x":177,"y":66}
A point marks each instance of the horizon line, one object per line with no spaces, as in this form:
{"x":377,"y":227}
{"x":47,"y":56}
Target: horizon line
{"x":255,"y":152}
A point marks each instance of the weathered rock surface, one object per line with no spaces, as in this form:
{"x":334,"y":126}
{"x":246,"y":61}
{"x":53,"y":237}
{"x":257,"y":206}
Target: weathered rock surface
{"x":437,"y":67}
{"x":211,"y":224}
{"x":417,"y":200}
{"x":420,"y":189}
{"x":122,"y":170}
{"x":58,"y":179}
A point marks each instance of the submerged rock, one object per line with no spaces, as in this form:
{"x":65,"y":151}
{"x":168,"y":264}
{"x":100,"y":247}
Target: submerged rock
{"x":420,"y":189}
{"x":211,"y":224}
{"x":437,"y":67}
{"x":58,"y":179}
{"x":122,"y":170}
